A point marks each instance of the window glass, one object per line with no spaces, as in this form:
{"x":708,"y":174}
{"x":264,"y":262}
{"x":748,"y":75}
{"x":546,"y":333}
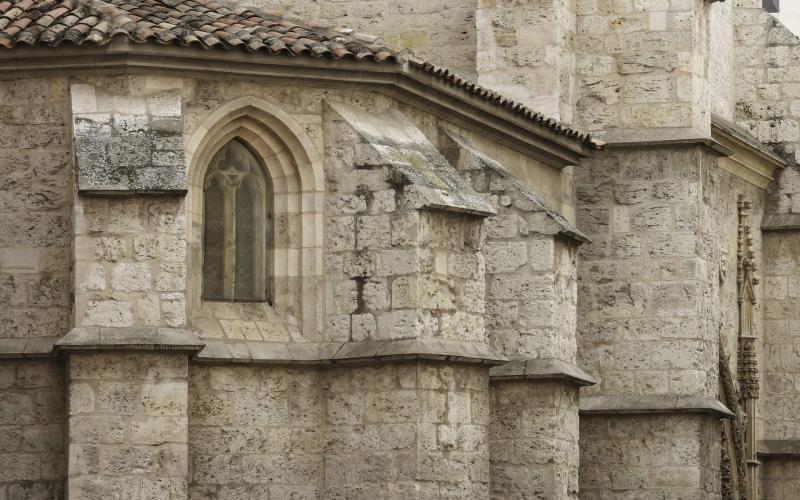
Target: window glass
{"x":237,"y":229}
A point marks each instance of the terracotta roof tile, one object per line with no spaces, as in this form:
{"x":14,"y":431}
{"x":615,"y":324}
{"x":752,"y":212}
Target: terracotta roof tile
{"x":206,"y":23}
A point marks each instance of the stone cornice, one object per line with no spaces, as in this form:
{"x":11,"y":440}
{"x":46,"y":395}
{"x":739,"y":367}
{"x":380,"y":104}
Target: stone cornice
{"x":778,"y":448}
{"x":27,"y":348}
{"x":129,"y":338}
{"x":781,"y":222}
{"x":749,"y":159}
{"x":403,"y":82}
{"x":741,"y":154}
{"x":366,"y":352}
{"x":542,"y":370}
{"x":635,"y":404}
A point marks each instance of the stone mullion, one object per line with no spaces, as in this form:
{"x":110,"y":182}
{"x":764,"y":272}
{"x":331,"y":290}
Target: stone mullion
{"x":229,"y":242}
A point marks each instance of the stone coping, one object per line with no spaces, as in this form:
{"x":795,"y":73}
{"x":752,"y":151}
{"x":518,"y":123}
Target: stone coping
{"x":130,"y":338}
{"x":542,"y":369}
{"x":781,"y":222}
{"x":652,"y":404}
{"x":276,"y":353}
{"x":324,"y":353}
{"x":776,"y":448}
{"x":748,"y":140}
{"x":27,"y":348}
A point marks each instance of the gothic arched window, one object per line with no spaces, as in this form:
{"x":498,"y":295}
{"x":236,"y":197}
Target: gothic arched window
{"x":237,"y":232}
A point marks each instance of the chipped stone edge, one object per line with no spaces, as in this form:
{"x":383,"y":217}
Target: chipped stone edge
{"x":637,"y":404}
{"x":129,"y":338}
{"x":778,"y":448}
{"x":542,"y":369}
{"x":366,"y":352}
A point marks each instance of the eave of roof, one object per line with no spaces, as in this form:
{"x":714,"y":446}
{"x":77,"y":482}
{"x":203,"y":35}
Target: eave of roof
{"x":207,"y":24}
{"x":453,"y":102}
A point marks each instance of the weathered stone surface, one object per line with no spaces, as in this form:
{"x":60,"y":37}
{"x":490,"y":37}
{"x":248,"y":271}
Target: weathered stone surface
{"x":32,"y":430}
{"x":125,"y":147}
{"x":128,"y":421}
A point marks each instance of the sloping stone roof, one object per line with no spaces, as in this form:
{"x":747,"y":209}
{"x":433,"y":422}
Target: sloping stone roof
{"x":214,"y":24}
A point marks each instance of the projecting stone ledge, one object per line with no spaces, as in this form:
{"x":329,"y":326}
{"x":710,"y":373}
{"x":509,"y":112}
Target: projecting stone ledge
{"x":652,"y":404}
{"x":779,"y":448}
{"x":26,"y":348}
{"x":129,"y":338}
{"x":350,"y":352}
{"x":542,"y":369}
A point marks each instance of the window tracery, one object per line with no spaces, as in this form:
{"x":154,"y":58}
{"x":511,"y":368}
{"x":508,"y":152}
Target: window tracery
{"x":237,"y":226}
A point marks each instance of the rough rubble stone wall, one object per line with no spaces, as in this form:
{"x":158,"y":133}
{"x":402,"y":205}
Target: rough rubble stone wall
{"x":32,"y":415}
{"x":413,"y":430}
{"x":255,"y":432}
{"x":644,"y":322}
{"x":519,"y":44}
{"x":641,"y":64}
{"x":35,"y":199}
{"x":442,"y":31}
{"x":634,"y":457}
{"x":128,"y":425}
{"x":533,"y":438}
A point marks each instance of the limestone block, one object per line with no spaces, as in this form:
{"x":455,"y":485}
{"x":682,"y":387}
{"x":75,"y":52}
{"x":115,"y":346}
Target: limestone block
{"x":121,"y":147}
{"x":131,"y":277}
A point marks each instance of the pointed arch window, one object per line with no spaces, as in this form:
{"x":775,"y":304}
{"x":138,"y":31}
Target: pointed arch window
{"x":237,"y":226}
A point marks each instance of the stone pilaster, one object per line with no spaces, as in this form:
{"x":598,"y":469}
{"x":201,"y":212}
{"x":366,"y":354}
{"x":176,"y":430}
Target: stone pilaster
{"x":128,"y":426}
{"x":407,"y":430}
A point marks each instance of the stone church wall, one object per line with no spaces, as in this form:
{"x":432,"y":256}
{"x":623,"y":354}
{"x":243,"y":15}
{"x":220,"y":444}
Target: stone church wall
{"x":127,"y":425}
{"x":255,"y":432}
{"x":35,"y":213}
{"x":768,"y":93}
{"x":781,"y":376}
{"x":642,"y":327}
{"x":641,"y":65}
{"x":648,"y":320}
{"x":36,"y":176}
{"x":32,"y":433}
{"x":633,"y":457}
{"x":442,"y":31}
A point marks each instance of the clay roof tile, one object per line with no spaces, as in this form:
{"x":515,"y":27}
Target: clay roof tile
{"x":212,"y":23}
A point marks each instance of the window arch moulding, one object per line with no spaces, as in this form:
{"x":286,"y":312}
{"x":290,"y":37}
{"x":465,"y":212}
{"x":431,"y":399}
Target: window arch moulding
{"x":294,"y":169}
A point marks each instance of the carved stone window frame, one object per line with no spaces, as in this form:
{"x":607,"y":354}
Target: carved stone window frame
{"x":295,"y":169}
